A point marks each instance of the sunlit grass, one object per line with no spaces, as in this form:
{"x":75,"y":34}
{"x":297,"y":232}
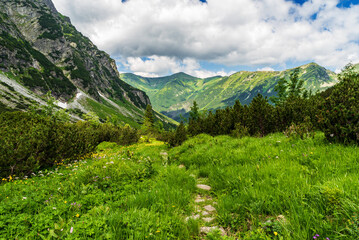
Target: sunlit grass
{"x":119,"y":193}
{"x":266,"y":188}
{"x":310,"y":184}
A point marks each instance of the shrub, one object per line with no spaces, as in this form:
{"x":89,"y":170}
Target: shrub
{"x":339,"y":114}
{"x":260,"y":119}
{"x":179,"y":136}
{"x":240,"y":131}
{"x":301,"y":130}
{"x":30,"y":141}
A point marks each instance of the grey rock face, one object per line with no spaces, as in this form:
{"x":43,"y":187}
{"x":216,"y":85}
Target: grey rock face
{"x":76,"y":63}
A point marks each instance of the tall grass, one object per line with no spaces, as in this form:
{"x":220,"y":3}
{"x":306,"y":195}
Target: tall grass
{"x":266,"y":188}
{"x":121,"y":193}
{"x":310,"y":184}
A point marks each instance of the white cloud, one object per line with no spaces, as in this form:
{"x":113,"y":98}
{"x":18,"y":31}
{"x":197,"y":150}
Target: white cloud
{"x":156,"y":66}
{"x":230,"y":32}
{"x":266,"y":69}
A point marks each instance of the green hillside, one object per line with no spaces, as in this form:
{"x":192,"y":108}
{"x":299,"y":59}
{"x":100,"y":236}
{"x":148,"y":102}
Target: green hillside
{"x":177,"y":92}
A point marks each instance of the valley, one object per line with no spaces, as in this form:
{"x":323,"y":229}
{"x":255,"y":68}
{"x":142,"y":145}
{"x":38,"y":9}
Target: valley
{"x":174,"y":95}
{"x":87,"y":152}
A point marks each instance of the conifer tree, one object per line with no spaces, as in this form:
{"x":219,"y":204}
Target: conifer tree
{"x":194,"y":114}
{"x":194,"y":126}
{"x":295,"y":85}
{"x":289,"y":89}
{"x":261,"y":116}
{"x":149,"y":118}
{"x":180,"y":135}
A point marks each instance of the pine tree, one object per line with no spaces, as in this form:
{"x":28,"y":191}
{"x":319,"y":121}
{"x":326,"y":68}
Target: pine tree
{"x":289,"y":89}
{"x":295,"y":86}
{"x":180,"y":135}
{"x":149,"y":120}
{"x":194,"y":114}
{"x":281,"y":89}
{"x":194,"y":125}
{"x":261,"y":116}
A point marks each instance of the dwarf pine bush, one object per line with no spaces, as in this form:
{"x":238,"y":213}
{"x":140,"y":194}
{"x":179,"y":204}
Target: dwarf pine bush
{"x":339,"y":113}
{"x":30,"y":141}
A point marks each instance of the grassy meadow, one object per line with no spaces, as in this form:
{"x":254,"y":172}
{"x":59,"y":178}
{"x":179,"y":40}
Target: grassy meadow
{"x":262,"y":188}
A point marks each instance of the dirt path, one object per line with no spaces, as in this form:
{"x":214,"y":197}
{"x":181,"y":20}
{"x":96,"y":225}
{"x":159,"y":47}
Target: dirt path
{"x":205,"y":209}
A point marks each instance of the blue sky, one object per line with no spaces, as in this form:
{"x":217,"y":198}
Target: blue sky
{"x":340,"y":4}
{"x":219,"y":37}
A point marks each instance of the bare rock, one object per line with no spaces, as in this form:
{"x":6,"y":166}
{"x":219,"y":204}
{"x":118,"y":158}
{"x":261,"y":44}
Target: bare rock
{"x":199,"y":199}
{"x":209,"y":229}
{"x":209,"y":208}
{"x":204,"y":213}
{"x":281,"y":218}
{"x":208,"y":219}
{"x":204,"y":187}
{"x":195,"y":217}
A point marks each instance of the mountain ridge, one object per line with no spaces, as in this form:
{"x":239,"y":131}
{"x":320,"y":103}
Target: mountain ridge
{"x":174,"y":94}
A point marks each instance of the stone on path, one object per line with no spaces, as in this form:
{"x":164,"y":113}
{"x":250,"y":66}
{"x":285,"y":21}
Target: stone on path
{"x":164,"y":155}
{"x":199,"y":199}
{"x":204,"y":213}
{"x":195,"y":217}
{"x":209,"y":208}
{"x":208,"y":219}
{"x":203,"y":187}
{"x":209,"y":229}
{"x":281,"y":218}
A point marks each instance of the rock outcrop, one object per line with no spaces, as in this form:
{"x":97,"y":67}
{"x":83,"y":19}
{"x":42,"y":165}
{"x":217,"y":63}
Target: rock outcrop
{"x":43,"y":51}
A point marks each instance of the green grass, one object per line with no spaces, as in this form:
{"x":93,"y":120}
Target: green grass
{"x":263,"y":186}
{"x":106,"y":109}
{"x":311,"y":183}
{"x":120,"y":193}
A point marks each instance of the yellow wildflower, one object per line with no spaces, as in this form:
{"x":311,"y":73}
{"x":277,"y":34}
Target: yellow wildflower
{"x":275,"y":233}
{"x":77,"y":215}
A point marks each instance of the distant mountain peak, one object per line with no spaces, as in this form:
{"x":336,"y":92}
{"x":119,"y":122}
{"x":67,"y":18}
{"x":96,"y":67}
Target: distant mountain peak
{"x":310,"y":64}
{"x":171,"y":94}
{"x":182,"y":74}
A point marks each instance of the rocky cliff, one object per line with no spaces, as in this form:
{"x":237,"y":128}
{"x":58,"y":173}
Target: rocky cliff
{"x":43,"y":51}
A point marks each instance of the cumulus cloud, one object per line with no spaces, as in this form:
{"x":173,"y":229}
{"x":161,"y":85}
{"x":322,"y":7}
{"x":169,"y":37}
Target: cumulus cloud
{"x":266,"y":69}
{"x":155,"y":66}
{"x":172,"y":33}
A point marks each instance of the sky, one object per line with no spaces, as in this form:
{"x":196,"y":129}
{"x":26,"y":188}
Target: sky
{"x":206,"y":38}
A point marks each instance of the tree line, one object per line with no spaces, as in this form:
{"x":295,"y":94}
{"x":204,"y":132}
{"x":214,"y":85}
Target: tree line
{"x":294,"y":111}
{"x":43,"y":136}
